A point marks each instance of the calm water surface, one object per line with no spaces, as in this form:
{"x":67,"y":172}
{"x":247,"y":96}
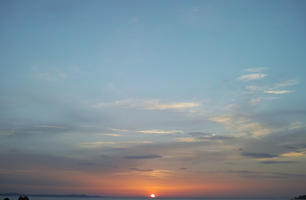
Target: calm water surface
{"x":109,"y":198}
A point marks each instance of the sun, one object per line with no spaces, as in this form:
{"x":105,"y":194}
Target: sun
{"x":152,"y":196}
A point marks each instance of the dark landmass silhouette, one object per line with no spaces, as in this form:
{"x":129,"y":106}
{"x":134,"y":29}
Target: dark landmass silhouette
{"x":300,"y":197}
{"x":54,"y":195}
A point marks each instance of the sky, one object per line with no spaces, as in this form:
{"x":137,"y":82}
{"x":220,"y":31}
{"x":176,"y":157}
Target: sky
{"x":132,"y":97}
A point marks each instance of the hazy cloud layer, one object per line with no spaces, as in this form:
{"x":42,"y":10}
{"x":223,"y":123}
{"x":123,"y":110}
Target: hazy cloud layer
{"x":152,"y":156}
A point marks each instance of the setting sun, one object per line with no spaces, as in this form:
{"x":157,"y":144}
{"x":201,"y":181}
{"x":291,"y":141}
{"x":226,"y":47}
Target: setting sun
{"x":152,"y":195}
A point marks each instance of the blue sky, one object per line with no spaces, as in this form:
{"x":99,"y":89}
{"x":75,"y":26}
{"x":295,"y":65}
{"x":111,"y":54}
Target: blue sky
{"x":148,"y":92}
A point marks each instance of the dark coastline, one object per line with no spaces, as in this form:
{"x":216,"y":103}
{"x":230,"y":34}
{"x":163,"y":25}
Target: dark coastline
{"x":54,"y":195}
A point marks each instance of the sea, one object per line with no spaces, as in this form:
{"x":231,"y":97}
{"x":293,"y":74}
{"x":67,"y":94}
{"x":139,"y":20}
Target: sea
{"x":137,"y":198}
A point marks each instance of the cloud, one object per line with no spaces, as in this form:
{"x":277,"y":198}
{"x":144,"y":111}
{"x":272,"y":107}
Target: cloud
{"x":137,"y":142}
{"x":141,"y":170}
{"x":268,"y":162}
{"x":118,"y":130}
{"x":48,"y":76}
{"x":296,"y":125}
{"x":147,"y":172}
{"x":51,"y":129}
{"x":160,"y":132}
{"x":93,"y":145}
{"x":249,"y":77}
{"x":258,"y":155}
{"x":286,"y":83}
{"x":204,"y":137}
{"x":266,"y":175}
{"x":293,"y":154}
{"x":187,"y":139}
{"x":254,"y":101}
{"x":150,"y":156}
{"x":174,"y":106}
{"x":256,"y":69}
{"x":253,"y":88}
{"x":153,"y":104}
{"x":242,"y":125}
{"x":278,"y":91}
{"x":112,"y":134}
{"x":199,"y":134}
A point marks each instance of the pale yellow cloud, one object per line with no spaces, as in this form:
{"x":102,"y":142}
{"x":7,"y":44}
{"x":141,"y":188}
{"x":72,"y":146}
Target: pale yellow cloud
{"x":166,"y":106}
{"x":222,"y":119}
{"x":293,"y":154}
{"x":112,"y":134}
{"x":187,"y":139}
{"x":243,"y":125}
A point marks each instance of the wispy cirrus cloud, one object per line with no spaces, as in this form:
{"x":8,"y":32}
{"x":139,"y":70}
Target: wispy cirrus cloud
{"x":171,"y":106}
{"x":258,"y":155}
{"x":278,"y":91}
{"x":253,"y":88}
{"x":153,"y":104}
{"x":51,"y":76}
{"x":118,"y":130}
{"x":160,"y":132}
{"x":242,"y":125}
{"x":94,"y":145}
{"x":256,"y":69}
{"x":187,"y":139}
{"x":250,"y":77}
{"x":286,"y":83}
{"x":141,"y":170}
{"x":149,"y":156}
{"x":269,"y":162}
{"x":112,"y":134}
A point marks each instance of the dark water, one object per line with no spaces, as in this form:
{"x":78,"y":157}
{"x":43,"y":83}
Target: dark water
{"x":111,"y":198}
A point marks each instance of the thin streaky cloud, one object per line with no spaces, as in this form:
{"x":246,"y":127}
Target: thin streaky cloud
{"x":48,"y":76}
{"x":293,"y":154}
{"x":256,"y":69}
{"x":253,"y":88}
{"x":278,"y":91}
{"x":112,"y":135}
{"x":171,"y":106}
{"x":153,"y":104}
{"x":269,"y":162}
{"x":137,"y":142}
{"x":254,"y":101}
{"x":93,"y":145}
{"x":118,"y":130}
{"x":241,"y":125}
{"x":250,"y":77}
{"x":258,"y":155}
{"x":140,"y":170}
{"x":187,"y":139}
{"x":150,"y":156}
{"x":286,"y":83}
{"x":160,"y":132}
